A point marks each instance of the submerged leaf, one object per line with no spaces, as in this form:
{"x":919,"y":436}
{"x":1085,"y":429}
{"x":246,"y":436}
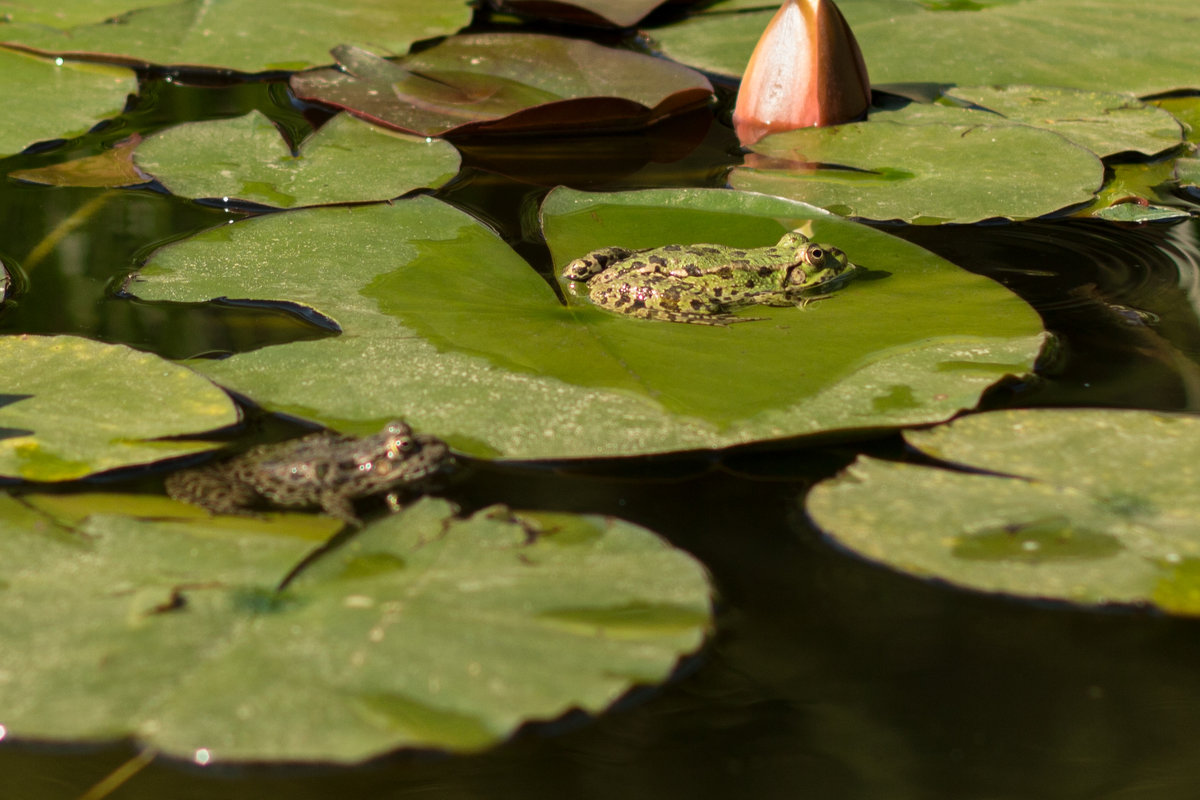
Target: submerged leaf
{"x":110,"y":169}
{"x":505,"y":82}
{"x":445,"y":325}
{"x":421,"y":631}
{"x":72,"y":407}
{"x":1086,"y":506}
{"x":346,"y":161}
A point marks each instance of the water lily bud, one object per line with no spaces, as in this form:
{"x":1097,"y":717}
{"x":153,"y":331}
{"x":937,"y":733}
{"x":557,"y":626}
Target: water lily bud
{"x":806,"y":71}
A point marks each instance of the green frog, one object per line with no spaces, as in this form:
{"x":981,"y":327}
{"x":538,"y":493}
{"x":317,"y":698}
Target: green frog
{"x":702,"y":283}
{"x":325,"y":469}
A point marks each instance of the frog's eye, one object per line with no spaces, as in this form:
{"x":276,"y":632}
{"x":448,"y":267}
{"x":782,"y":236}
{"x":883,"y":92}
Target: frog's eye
{"x":815,"y":256}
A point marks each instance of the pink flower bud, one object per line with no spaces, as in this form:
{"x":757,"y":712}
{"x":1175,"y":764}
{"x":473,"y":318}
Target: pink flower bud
{"x":806,"y":71}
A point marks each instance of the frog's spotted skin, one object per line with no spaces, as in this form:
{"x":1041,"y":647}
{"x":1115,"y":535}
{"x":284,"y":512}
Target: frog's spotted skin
{"x":702,"y":283}
{"x":325,"y":469}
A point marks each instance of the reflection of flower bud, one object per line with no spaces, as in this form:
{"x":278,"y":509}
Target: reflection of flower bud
{"x":806,"y":70}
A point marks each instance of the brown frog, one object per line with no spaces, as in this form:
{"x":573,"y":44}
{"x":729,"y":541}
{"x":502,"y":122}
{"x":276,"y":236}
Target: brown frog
{"x":326,"y":469}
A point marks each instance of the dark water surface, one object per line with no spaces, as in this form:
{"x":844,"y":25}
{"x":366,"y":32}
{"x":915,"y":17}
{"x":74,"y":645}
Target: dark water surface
{"x":828,"y":678}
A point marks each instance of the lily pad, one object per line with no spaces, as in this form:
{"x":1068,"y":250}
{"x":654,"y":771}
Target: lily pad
{"x":444,"y":324}
{"x":109,"y":169}
{"x":924,"y":173}
{"x":1188,"y":172}
{"x":72,"y":407}
{"x":346,"y":161}
{"x":1085,"y":506}
{"x":47,"y":100}
{"x":216,"y":33}
{"x":421,"y":631}
{"x":1102,"y":45}
{"x":1139,"y":191}
{"x":619,"y":13}
{"x":69,"y":13}
{"x":1104,"y":122}
{"x":486,"y":83}
{"x":1186,"y":109}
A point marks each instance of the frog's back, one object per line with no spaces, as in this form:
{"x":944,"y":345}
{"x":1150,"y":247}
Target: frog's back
{"x":678,"y":260}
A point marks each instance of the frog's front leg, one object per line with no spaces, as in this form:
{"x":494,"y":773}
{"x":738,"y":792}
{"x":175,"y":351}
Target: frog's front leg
{"x":595,"y":262}
{"x":338,"y":505}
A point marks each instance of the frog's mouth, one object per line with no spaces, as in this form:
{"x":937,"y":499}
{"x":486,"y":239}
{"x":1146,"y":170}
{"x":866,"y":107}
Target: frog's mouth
{"x":834,"y":281}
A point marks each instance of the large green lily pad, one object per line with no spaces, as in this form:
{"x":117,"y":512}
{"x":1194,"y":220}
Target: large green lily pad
{"x":485,"y":82}
{"x":47,"y":100}
{"x":421,"y":631}
{"x":1086,"y":506}
{"x":926,"y":172}
{"x":1103,"y":45}
{"x":69,"y":13}
{"x":244,"y":35}
{"x":1104,"y":122}
{"x":71,"y":407}
{"x":442,"y":323}
{"x":347,"y":160}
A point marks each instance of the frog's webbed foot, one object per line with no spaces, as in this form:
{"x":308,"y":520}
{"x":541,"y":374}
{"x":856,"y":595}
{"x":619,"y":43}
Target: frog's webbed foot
{"x":803,"y":302}
{"x":595,"y":262}
{"x":723,"y":320}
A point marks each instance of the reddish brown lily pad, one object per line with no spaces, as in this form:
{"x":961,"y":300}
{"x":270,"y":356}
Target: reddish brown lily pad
{"x":506,"y":83}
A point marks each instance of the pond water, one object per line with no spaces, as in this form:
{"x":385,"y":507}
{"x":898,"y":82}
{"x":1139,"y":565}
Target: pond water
{"x":828,"y":677}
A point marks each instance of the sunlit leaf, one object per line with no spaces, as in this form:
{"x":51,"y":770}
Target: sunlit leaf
{"x":1086,"y":506}
{"x":1187,"y":170}
{"x":445,"y":325}
{"x":69,"y":13}
{"x":1103,"y":122}
{"x":422,"y":631}
{"x":484,"y":83}
{"x":44,"y":100}
{"x":1186,"y":109}
{"x":924,"y":173}
{"x":71,"y":407}
{"x":347,"y":160}
{"x":1105,"y":45}
{"x":1138,"y":191}
{"x":246,"y":35}
{"x":110,"y":169}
